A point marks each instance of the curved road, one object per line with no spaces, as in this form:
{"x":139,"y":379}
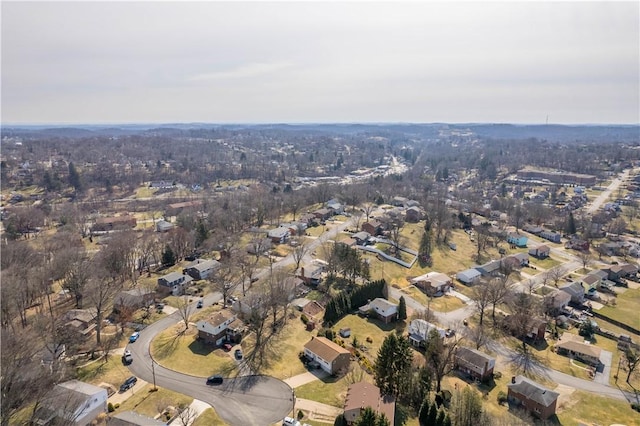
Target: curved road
{"x":248,"y":400}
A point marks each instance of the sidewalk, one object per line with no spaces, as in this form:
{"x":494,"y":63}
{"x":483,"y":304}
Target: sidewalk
{"x":120,"y":397}
{"x":196,"y":408}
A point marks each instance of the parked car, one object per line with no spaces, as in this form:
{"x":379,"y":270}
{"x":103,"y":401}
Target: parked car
{"x":134,"y":337}
{"x":227,"y":347}
{"x":290,"y":421}
{"x":200,"y":304}
{"x":128,"y":384}
{"x":215,"y":380}
{"x":238,"y":353}
{"x":126,"y":357}
{"x":449,"y":332}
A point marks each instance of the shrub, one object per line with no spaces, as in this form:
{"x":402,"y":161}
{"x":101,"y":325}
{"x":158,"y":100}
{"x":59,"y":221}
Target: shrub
{"x":300,"y":414}
{"x":635,"y":406}
{"x":502,"y":397}
{"x":304,"y":318}
{"x":110,"y":407}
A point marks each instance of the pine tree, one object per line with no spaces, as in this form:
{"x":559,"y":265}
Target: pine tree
{"x":367,"y":418}
{"x":402,"y":309}
{"x":382,"y":420}
{"x":440,"y":418}
{"x":447,"y":420}
{"x":423,"y":414}
{"x":571,"y":224}
{"x":168,"y":257}
{"x":433,"y":414}
{"x":74,"y":177}
{"x":393,"y":365}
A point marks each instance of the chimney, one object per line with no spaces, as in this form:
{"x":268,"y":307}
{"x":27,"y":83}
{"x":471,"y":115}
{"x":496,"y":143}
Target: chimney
{"x":513,"y":379}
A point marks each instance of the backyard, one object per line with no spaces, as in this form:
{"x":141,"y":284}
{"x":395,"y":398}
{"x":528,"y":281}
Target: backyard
{"x":626,"y":308}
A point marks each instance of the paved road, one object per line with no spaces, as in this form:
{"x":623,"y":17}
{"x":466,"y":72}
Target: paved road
{"x":248,"y":400}
{"x":604,"y":196}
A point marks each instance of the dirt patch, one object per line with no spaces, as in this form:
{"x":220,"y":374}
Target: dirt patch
{"x":565,"y":400}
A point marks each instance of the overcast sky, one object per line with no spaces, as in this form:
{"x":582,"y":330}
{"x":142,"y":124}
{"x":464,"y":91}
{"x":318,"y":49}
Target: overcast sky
{"x":218,"y":62}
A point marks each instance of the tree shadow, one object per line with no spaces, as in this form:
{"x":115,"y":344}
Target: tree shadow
{"x":199,"y":347}
{"x":386,"y":326}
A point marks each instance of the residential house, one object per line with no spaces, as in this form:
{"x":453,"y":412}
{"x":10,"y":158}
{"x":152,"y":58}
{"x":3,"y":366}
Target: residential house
{"x":474,"y":363}
{"x":331,"y":357}
{"x":413,"y":215}
{"x":556,"y":302}
{"x":541,"y":252}
{"x":323,"y":213}
{"x":295,"y":228}
{"x":617,"y":272}
{"x":533,"y":229}
{"x":312,"y":309}
{"x":201,"y":269}
{"x":335,"y":206}
{"x":419,"y":330}
{"x":361,"y":238}
{"x":469,"y":276}
{"x":592,"y":281}
{"x":164,"y":226}
{"x":117,"y":222}
{"x":362,"y":395}
{"x":517,"y":260}
{"x":73,"y":403}
{"x":532,"y":396}
{"x":173,"y":283}
{"x":554,"y":237}
{"x":131,"y":418}
{"x":220,"y":327}
{"x":310,"y":275}
{"x":162,"y":184}
{"x":575,"y":290}
{"x":578,"y":349}
{"x":133,"y":299}
{"x":399,"y":201}
{"x":81,"y":322}
{"x":629,"y":270}
{"x":373,"y":227}
{"x":577,"y":244}
{"x":535,"y":329}
{"x":175,"y":208}
{"x":385,"y":310}
{"x":432,"y":283}
{"x":279,"y":235}
{"x":519,"y":240}
{"x":490,"y":269}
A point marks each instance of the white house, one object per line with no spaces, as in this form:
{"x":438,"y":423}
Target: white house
{"x":419,"y":330}
{"x":76,"y":402}
{"x":385,"y":310}
{"x":201,"y":269}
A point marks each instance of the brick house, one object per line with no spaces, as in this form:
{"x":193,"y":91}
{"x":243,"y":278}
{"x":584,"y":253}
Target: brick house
{"x":432,"y":283}
{"x":475,"y":363}
{"x":373,"y":227}
{"x":220,"y":327}
{"x":533,"y":397}
{"x":331,"y":357}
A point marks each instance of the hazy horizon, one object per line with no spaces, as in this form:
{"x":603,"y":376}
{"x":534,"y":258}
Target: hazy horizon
{"x":100,"y":63}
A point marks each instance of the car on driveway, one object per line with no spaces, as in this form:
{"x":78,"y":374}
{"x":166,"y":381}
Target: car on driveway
{"x":200,"y":304}
{"x":126,"y":357}
{"x":215,"y":380}
{"x":134,"y":337}
{"x":238,"y":353}
{"x":128,"y":384}
{"x":227,"y":347}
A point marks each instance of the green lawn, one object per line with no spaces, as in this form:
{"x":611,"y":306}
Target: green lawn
{"x":331,"y":391}
{"x":588,"y":408}
{"x":362,"y":328}
{"x":208,"y":418}
{"x":182,"y":352}
{"x":150,"y":403}
{"x":626,"y":309}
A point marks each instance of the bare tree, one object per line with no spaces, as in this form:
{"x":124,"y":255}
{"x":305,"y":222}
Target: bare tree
{"x":585,"y":258}
{"x":478,"y":335}
{"x":481,"y":297}
{"x":187,"y":416}
{"x":499,"y":288}
{"x":524,"y":309}
{"x":631,"y":359}
{"x":248,"y":265}
{"x":223,"y":279}
{"x":185,"y":309}
{"x":556,"y":274}
{"x":439,"y":355}
{"x":300,"y":250}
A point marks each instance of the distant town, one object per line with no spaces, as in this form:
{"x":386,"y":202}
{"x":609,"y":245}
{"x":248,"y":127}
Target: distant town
{"x":320,"y":274}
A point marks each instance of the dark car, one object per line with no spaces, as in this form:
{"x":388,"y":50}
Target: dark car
{"x":215,"y":380}
{"x":128,"y":384}
{"x":238,"y":353}
{"x":200,"y":304}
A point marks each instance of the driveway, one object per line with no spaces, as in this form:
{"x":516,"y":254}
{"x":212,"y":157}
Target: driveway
{"x":248,"y":400}
{"x":604,"y":372}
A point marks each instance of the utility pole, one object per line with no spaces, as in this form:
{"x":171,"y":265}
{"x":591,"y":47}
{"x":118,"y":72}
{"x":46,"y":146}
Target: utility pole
{"x":153,"y":372}
{"x":293,"y":398}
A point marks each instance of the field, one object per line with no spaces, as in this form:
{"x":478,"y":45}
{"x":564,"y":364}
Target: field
{"x":626,"y":309}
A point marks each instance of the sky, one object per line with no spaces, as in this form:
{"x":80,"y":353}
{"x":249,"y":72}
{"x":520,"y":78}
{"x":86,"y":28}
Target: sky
{"x":310,"y":62}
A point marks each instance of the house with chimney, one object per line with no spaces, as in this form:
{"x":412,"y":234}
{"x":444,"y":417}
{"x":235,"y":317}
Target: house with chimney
{"x":432,"y":283}
{"x":173,"y":283}
{"x":382,"y":309}
{"x":220,"y":327}
{"x":523,"y":392}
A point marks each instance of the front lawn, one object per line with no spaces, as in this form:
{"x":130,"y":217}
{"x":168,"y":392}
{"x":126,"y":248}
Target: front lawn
{"x":180,"y":351}
{"x":588,"y":408}
{"x":151,"y":403}
{"x":208,"y":418}
{"x":330,"y":390}
{"x":112,"y":372}
{"x":362,"y":328}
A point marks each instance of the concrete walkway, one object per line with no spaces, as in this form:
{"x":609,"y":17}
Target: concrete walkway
{"x":317,"y":410}
{"x":304,"y":378}
{"x":120,"y":397}
{"x":196,"y":408}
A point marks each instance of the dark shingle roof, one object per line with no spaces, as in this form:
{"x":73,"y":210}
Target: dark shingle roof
{"x":533,"y":391}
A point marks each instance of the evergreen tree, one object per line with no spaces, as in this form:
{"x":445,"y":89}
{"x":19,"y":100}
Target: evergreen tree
{"x":382,"y":420}
{"x":202,"y":233}
{"x":447,"y":420}
{"x":571,"y":224}
{"x":402,"y":309}
{"x":168,"y":257}
{"x":74,"y":177}
{"x":393,"y":365}
{"x":440,"y":419}
{"x":367,"y":418}
{"x":433,"y":414}
{"x":423,"y":414}
{"x":426,"y":244}
{"x":340,"y":421}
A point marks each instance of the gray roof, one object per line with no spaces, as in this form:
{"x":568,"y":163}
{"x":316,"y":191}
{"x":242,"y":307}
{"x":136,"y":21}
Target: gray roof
{"x":172,"y":276}
{"x":278,"y":232}
{"x":533,"y":391}
{"x":574,"y":288}
{"x":473,"y":356}
{"x":362,"y":235}
{"x":203,"y":264}
{"x":468,"y":274}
